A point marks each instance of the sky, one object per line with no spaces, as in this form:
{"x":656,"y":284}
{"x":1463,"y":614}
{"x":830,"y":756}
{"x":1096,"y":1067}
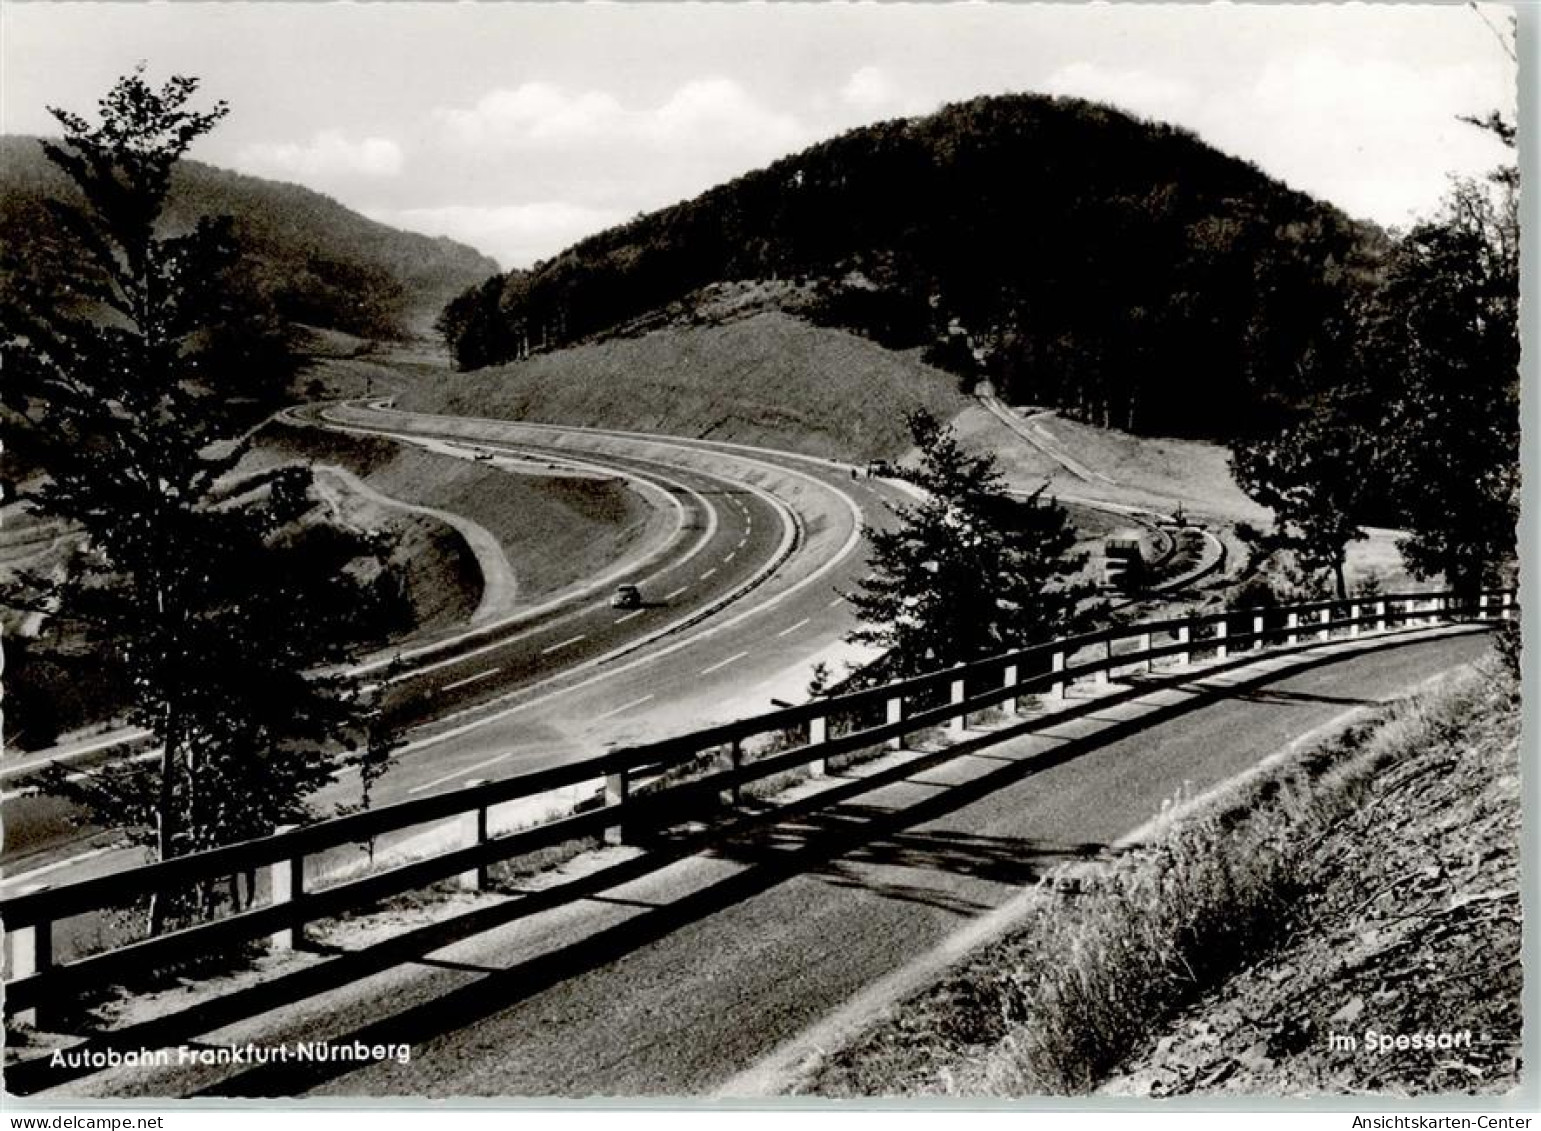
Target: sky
{"x":521,"y":127}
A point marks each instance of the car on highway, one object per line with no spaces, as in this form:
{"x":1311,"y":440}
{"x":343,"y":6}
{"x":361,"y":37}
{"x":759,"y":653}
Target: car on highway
{"x":626,"y":597}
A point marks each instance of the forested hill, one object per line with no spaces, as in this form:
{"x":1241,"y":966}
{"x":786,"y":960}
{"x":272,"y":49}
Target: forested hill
{"x":313,"y":260}
{"x":1120,"y":269}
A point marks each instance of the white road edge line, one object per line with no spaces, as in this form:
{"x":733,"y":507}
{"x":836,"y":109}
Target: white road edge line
{"x":598,"y":585}
{"x":20,"y":879}
{"x":717,"y":667}
{"x":852,"y":541}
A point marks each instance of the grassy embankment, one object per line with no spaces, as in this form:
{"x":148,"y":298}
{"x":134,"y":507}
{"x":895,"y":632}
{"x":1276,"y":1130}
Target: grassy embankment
{"x":1369,"y":884}
{"x":768,"y":379}
{"x":556,"y":530}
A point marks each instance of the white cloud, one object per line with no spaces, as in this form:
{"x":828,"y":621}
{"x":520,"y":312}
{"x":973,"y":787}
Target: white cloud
{"x":715,"y":112}
{"x":871,"y":90}
{"x":604,"y":157}
{"x":327,"y":155}
{"x":718,"y":111}
{"x":534,"y":112}
{"x":514,"y":234}
{"x":1142,"y":92}
{"x":1360,"y":130}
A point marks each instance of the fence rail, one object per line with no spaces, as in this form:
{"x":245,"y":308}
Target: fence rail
{"x":883,"y":715}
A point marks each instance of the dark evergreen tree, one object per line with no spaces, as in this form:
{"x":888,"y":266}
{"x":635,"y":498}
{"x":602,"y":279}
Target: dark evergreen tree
{"x":1443,"y":341}
{"x":228,"y":620}
{"x":1317,"y":476}
{"x":970,"y":571}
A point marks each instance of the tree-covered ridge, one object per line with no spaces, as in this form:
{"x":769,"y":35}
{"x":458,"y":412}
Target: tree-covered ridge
{"x":1120,"y":269}
{"x":304,"y":255}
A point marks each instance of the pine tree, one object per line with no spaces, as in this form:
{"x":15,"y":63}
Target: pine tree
{"x":970,"y":571}
{"x":217,"y":606}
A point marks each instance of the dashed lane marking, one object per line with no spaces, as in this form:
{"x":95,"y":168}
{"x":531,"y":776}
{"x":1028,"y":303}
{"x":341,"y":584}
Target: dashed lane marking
{"x":626,"y":707}
{"x":707,"y":574}
{"x":471,"y":679}
{"x":676,"y":593}
{"x":628,"y":616}
{"x":723,"y":663}
{"x":564,"y":644}
{"x":789,"y":631}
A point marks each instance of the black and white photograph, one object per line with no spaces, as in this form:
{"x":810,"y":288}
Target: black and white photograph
{"x":786,"y":556}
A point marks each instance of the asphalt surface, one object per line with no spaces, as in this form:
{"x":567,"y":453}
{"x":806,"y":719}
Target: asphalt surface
{"x":672,"y":972}
{"x":736,"y":612}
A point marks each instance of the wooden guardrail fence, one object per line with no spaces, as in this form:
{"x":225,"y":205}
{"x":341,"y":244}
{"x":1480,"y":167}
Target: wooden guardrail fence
{"x":833,"y":726}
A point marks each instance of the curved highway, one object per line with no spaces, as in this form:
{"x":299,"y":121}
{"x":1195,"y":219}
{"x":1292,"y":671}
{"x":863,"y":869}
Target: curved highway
{"x":736,"y":611}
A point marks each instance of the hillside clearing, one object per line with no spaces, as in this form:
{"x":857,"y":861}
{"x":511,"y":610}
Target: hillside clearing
{"x":1154,"y":472}
{"x":768,"y":379}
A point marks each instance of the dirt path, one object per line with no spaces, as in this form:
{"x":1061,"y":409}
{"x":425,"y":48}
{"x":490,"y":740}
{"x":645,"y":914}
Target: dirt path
{"x":500,"y":588}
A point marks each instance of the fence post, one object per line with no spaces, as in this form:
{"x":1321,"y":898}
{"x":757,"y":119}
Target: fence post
{"x":958,"y":723}
{"x":1057,"y":664}
{"x":1292,"y":623}
{"x":617,"y":789}
{"x":1353,"y":621}
{"x":1145,"y":648}
{"x":286,"y":882}
{"x":1184,"y":635}
{"x":895,"y":714}
{"x":1257,"y":632}
{"x":1009,"y":706}
{"x":1324,"y":620}
{"x":30,"y":951}
{"x":1222,"y":649}
{"x":818,"y":734}
{"x":1482,"y":606}
{"x":733,"y":794}
{"x":473,"y":830}
{"x":1380,"y":616}
{"x":1505,"y":612}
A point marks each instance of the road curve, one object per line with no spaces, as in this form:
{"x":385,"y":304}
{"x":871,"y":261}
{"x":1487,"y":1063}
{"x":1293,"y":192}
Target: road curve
{"x":586,"y":677}
{"x":697,"y":962}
